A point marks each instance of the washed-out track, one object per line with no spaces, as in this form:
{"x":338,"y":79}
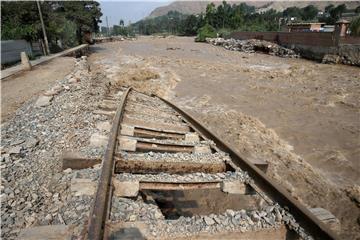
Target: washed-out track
{"x":165,"y":176}
{"x":195,"y":186}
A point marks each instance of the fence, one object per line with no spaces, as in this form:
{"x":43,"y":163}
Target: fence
{"x":311,"y":45}
{"x":11,"y":49}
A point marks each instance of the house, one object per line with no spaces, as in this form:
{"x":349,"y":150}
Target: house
{"x":304,"y":27}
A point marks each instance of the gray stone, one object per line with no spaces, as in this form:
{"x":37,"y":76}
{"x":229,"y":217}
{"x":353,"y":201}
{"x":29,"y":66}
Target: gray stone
{"x":31,"y":142}
{"x":43,"y":101}
{"x":230,"y":212}
{"x":209,"y":221}
{"x":126,"y":188}
{"x":255,"y":217}
{"x":15,"y":150}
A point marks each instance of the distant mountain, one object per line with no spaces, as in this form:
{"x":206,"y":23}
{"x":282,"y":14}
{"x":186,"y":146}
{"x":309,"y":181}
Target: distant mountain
{"x":282,"y":5}
{"x":196,"y":7}
{"x":192,"y":7}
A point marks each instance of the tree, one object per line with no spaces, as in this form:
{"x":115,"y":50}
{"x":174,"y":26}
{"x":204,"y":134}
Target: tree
{"x":190,"y":26}
{"x":357,"y":10}
{"x":329,"y":8}
{"x":292,"y":12}
{"x":355,"y":27}
{"x":20,"y":20}
{"x":63,"y":20}
{"x":210,"y":14}
{"x":334,"y":13}
{"x":85,"y":14}
{"x":207,"y":31}
{"x":309,"y":12}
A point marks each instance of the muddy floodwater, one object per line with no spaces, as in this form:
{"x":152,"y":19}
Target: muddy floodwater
{"x":300,"y":116}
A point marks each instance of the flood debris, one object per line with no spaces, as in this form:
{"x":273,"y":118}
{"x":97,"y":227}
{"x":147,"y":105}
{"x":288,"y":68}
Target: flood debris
{"x":253,"y":45}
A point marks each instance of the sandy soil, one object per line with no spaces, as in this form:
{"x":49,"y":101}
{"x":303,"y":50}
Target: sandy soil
{"x":300,"y":116}
{"x":19,"y":88}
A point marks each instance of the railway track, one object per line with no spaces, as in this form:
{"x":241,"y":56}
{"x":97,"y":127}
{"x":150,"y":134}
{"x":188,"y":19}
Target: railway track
{"x":165,"y":176}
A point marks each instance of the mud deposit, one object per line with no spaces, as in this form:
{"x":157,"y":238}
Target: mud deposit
{"x":300,"y":116}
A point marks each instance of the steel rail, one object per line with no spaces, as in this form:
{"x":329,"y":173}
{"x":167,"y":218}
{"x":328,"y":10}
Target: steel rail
{"x":100,"y":206}
{"x":274,"y":191}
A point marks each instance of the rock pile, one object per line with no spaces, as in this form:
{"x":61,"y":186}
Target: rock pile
{"x":32,"y":143}
{"x":253,"y":45}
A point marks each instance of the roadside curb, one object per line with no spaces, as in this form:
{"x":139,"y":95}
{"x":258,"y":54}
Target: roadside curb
{"x":19,"y":68}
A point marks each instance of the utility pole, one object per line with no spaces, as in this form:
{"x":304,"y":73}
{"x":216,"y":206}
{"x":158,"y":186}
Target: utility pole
{"x":43,"y":29}
{"x":107,"y":27}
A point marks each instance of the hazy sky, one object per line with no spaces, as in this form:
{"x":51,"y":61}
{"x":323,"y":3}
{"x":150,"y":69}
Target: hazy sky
{"x":128,"y":11}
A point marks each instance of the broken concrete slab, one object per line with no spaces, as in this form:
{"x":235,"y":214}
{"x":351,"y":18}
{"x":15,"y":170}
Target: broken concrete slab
{"x":82,"y":186}
{"x":98,"y":140}
{"x":43,"y":101}
{"x":127,"y":130}
{"x":103,"y":126}
{"x":233,"y":187}
{"x":127,"y":144}
{"x":126,"y":188}
{"x":202,"y":149}
{"x":192,"y":137}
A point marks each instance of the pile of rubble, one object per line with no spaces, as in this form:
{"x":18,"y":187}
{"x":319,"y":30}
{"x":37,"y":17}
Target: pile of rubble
{"x":253,"y":45}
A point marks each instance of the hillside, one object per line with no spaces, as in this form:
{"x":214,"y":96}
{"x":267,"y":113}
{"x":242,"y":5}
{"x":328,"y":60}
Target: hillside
{"x":195,"y":7}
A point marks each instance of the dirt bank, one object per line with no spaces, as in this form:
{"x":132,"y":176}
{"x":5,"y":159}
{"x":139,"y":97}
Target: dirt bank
{"x":300,"y":116}
{"x":18,"y":89}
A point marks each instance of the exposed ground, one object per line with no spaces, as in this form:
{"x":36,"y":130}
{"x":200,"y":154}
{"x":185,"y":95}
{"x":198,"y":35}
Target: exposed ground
{"x":300,"y":116}
{"x":17,"y":89}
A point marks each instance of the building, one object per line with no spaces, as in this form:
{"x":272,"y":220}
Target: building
{"x":304,"y":27}
{"x":328,"y":28}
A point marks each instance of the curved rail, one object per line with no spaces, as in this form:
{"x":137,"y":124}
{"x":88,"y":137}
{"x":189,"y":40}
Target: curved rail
{"x":277,"y":193}
{"x":101,"y":203}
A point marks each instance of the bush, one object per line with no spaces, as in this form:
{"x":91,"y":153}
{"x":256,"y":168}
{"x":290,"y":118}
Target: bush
{"x":207,"y":31}
{"x":355,"y":27}
{"x":224,"y":32}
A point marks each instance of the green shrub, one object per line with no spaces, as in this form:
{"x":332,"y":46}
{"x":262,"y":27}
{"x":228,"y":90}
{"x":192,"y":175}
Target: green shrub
{"x":224,"y":32}
{"x":207,"y":31}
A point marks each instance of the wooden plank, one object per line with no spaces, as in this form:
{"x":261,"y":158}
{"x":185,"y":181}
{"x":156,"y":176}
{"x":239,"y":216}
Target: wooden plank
{"x":141,"y":230}
{"x":168,"y":166}
{"x":53,"y":232}
{"x":158,"y":147}
{"x":148,"y":133}
{"x":75,"y":160}
{"x":154,"y":125}
{"x":178,"y":186}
